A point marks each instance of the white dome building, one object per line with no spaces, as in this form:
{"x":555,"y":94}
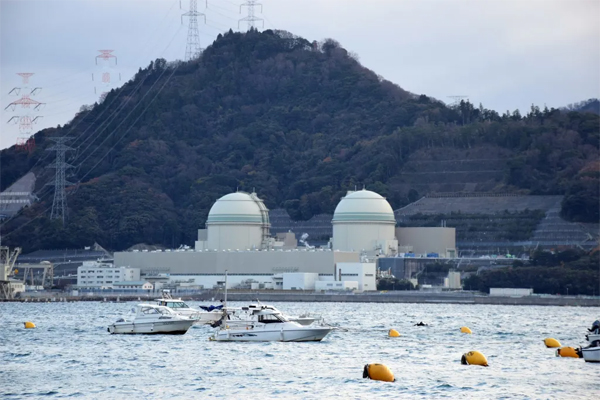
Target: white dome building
{"x":364,"y":221}
{"x":237,"y":221}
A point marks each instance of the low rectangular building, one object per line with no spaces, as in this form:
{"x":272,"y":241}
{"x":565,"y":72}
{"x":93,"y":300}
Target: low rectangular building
{"x":300,"y":281}
{"x":511,"y":292}
{"x":363,"y":273}
{"x":323,"y":286}
{"x":133,"y":285}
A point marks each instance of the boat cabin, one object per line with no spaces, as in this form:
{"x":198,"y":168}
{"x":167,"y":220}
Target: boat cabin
{"x":265,"y":314}
{"x":151,"y":310}
{"x":175,"y":304}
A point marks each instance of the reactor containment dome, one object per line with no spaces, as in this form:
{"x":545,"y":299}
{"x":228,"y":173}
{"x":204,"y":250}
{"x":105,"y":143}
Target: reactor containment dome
{"x":364,"y":221}
{"x":237,"y":221}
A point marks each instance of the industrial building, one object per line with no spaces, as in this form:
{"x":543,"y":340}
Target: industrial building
{"x":104,"y":275}
{"x":237,"y":239}
{"x":440,"y":241}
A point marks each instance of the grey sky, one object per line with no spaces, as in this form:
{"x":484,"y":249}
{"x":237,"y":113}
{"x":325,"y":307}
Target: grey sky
{"x":504,"y":54}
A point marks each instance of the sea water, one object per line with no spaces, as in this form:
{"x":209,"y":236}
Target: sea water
{"x":70,"y":354}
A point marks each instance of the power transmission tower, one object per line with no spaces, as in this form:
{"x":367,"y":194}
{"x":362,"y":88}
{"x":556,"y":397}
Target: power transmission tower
{"x":457,"y":99}
{"x":28,"y":106}
{"x":193,"y":49}
{"x":251,"y":19}
{"x":59,"y":204}
{"x":106,"y":73}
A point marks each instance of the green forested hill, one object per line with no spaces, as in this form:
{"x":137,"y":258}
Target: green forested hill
{"x":301,"y":122}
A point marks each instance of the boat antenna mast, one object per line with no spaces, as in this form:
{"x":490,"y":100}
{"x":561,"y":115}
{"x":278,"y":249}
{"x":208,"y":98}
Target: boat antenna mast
{"x":225,"y":301}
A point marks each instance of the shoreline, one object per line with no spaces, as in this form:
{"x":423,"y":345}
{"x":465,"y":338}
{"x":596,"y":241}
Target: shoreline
{"x":375,"y":297}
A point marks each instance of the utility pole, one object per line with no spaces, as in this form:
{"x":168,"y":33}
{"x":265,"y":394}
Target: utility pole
{"x":251,"y":19}
{"x":193,"y":49}
{"x":59,"y":204}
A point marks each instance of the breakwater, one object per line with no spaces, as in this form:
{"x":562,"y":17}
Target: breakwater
{"x":370,"y":297}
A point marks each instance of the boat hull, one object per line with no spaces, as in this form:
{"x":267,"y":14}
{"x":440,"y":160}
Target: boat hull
{"x":592,"y":337}
{"x":166,"y":327}
{"x":304,"y":321}
{"x":591,"y":354}
{"x":274,"y":335}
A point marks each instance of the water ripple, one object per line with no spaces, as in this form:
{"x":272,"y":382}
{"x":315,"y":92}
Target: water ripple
{"x":70,"y":354}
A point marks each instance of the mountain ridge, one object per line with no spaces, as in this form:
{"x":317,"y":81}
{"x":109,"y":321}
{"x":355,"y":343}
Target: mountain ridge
{"x":301,"y":122}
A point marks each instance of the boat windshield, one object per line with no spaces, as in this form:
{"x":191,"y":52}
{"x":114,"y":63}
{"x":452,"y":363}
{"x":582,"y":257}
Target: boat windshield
{"x":155,"y":311}
{"x":272,"y":318}
{"x":176,"y":304}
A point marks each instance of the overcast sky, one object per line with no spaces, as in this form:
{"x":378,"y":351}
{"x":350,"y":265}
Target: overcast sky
{"x":505,"y":54}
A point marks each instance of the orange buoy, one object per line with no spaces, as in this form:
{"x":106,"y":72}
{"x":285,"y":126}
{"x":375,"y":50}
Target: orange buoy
{"x":474,"y":358}
{"x":551,"y":343}
{"x":567,"y":352}
{"x":378,"y":372}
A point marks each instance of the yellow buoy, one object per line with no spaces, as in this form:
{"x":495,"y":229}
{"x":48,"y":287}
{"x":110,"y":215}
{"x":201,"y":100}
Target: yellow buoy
{"x":393,"y":333}
{"x":474,"y":358}
{"x":567,"y":352}
{"x":551,"y":343}
{"x":465,"y":329}
{"x":29,"y":325}
{"x":378,"y":372}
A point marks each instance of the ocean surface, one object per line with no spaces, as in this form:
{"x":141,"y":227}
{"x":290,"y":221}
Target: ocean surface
{"x":71,"y":355}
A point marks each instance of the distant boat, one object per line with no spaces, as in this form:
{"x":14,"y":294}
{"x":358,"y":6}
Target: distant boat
{"x":204,"y":316}
{"x":152,"y":319}
{"x":591,"y":353}
{"x":263,"y":323}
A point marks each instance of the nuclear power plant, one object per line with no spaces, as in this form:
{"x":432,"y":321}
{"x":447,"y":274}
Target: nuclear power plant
{"x":237,"y":239}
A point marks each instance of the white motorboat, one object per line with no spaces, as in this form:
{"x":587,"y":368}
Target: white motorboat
{"x":263,"y":323}
{"x":593,"y":337}
{"x":203,"y":316}
{"x":303,"y":319}
{"x":151,"y":318}
{"x":591,"y":353}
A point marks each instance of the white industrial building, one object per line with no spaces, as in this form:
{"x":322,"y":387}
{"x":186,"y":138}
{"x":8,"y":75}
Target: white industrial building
{"x":452,"y":281}
{"x":99,"y":275}
{"x":299,"y":281}
{"x":133,"y":285}
{"x":363,"y":273}
{"x":237,"y":239}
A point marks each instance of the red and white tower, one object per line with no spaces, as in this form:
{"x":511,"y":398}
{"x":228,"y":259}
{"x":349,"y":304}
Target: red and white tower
{"x":106,"y":77}
{"x":28,"y":110}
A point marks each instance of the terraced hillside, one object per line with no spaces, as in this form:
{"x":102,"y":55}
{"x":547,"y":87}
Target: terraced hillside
{"x":500,"y":223}
{"x":484,"y":223}
{"x":429,"y":170}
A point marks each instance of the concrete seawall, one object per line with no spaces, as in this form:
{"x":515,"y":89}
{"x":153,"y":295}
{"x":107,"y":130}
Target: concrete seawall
{"x":416,"y":298}
{"x":377,"y":297}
